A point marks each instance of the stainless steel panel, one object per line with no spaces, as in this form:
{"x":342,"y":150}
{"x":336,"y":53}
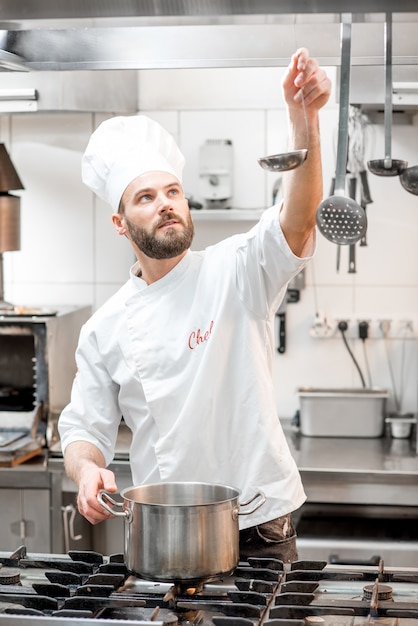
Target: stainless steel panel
{"x":393,"y":553}
{"x":25,"y":518}
{"x":106,"y":91}
{"x":258,"y":40}
{"x":60,"y":9}
{"x":339,"y":532}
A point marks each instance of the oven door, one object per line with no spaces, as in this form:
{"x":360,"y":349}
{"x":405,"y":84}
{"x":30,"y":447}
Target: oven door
{"x":358,"y":534}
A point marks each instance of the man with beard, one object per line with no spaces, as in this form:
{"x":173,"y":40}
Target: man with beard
{"x":184,"y":350}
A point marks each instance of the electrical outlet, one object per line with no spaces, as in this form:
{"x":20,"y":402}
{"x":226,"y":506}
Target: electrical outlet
{"x":402,"y":329}
{"x":325,"y":327}
{"x":381,"y":328}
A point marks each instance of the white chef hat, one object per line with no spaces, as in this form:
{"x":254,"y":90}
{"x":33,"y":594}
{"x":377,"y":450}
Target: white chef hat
{"x":121,"y":149}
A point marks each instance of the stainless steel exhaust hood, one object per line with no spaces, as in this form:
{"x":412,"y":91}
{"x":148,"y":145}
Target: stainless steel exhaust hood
{"x":207,"y":45}
{"x":76,"y":91}
{"x":24,"y":91}
{"x":57,"y":35}
{"x":81,"y":38}
{"x":62,"y":9}
{"x":368,"y":88}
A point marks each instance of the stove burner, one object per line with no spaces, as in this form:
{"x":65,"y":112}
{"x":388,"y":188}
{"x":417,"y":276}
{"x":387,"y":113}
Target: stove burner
{"x":383,"y":592}
{"x":89,"y":586}
{"x":176,"y":590}
{"x":9,"y":576}
{"x":179,"y":589}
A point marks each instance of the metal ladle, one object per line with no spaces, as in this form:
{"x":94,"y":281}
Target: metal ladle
{"x":409,"y":179}
{"x":388,"y":166}
{"x":287,"y":160}
{"x":339,"y":218}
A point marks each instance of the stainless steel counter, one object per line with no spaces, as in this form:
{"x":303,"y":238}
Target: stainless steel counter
{"x":363,"y":474}
{"x":332,"y":469}
{"x":31,"y":474}
{"x":362,"y":498}
{"x":359,"y":471}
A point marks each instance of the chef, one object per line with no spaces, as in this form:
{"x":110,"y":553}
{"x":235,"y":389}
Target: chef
{"x":184,"y":350}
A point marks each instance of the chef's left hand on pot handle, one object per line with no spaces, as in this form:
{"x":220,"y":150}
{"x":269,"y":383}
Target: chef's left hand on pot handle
{"x":94,"y":479}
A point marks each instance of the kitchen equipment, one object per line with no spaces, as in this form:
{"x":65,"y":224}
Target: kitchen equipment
{"x":281,"y":314}
{"x":352,"y":190}
{"x":401,"y":426}
{"x":288,"y":160}
{"x":89,"y":588}
{"x":9,"y":214}
{"x":365,"y":200}
{"x":409,"y":179}
{"x":342,"y":412}
{"x":338,"y":260}
{"x":340,"y":219}
{"x":355,"y":161}
{"x":388,"y":166}
{"x":216,"y":159}
{"x":37,"y":368}
{"x":19,"y":436}
{"x":181,"y":531}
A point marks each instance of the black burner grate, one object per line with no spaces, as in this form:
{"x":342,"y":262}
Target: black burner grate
{"x":261,"y":592}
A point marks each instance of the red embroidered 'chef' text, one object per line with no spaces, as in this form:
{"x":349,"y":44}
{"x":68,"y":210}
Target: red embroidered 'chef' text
{"x":197,"y":337}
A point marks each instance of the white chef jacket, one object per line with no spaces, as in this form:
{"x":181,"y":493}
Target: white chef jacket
{"x":187,"y":361}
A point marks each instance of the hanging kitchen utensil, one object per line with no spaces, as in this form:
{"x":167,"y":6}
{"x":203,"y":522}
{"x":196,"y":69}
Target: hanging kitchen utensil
{"x":388,"y":166}
{"x":409,"y":179}
{"x":288,"y":160}
{"x":331,"y":193}
{"x":365,"y":189}
{"x":355,"y":159}
{"x":281,"y":314}
{"x":340,"y":219}
{"x":352,"y":189}
{"x":365,"y":199}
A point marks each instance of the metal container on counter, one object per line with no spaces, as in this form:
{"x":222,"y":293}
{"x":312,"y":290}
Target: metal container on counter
{"x":342,"y":412}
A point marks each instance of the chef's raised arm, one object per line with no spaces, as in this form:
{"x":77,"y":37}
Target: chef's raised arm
{"x":302,"y":187}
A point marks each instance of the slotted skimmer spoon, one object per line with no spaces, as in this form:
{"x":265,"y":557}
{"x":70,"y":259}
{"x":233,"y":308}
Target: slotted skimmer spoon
{"x":287,"y":160}
{"x":339,"y":218}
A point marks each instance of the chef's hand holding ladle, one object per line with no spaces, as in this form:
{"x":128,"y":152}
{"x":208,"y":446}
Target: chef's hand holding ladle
{"x":288,"y":160}
{"x":285,"y":161}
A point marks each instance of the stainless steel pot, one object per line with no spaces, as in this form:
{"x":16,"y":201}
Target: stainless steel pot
{"x":183,"y":532}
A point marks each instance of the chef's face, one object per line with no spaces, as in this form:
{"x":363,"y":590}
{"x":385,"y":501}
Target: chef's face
{"x":156,"y":216}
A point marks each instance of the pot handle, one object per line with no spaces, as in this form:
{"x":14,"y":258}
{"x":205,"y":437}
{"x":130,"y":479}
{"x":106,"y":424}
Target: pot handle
{"x":104,"y":498}
{"x":262,"y":499}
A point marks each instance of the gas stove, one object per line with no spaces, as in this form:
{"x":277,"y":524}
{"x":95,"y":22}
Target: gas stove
{"x":59,"y":589}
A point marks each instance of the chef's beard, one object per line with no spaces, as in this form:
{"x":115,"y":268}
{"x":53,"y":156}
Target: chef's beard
{"x":168,"y":244}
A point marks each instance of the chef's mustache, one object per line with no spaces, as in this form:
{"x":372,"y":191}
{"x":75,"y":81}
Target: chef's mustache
{"x":170,"y":216}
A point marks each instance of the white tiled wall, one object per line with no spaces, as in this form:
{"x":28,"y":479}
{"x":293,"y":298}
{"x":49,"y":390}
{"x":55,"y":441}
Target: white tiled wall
{"x":70,"y":253}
